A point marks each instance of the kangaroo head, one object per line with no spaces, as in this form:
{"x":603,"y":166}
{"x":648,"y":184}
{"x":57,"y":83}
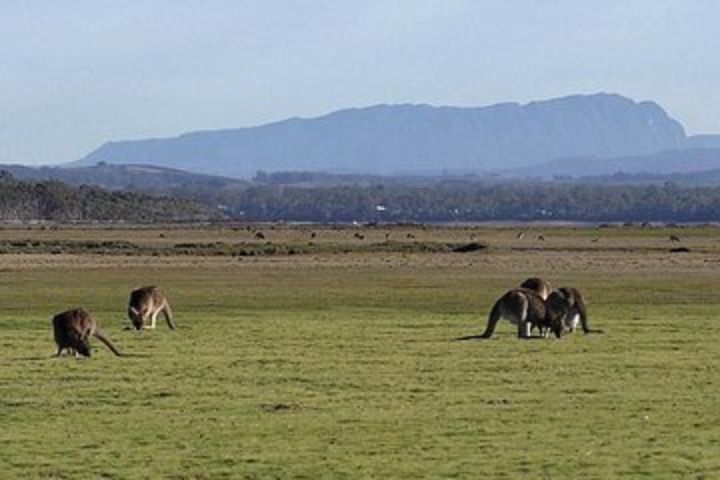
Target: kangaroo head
{"x":557,"y":308}
{"x":136,"y":317}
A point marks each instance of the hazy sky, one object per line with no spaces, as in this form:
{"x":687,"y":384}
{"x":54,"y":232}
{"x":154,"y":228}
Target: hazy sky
{"x":75,"y":74}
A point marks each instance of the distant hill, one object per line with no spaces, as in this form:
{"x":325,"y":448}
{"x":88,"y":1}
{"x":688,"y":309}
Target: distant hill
{"x":411,"y":139}
{"x":702,"y":178}
{"x":662,"y":163}
{"x":57,"y":201}
{"x":144,"y":178}
{"x":703,"y":141}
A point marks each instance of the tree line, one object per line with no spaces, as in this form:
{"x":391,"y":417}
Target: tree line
{"x":458,"y":201}
{"x":392,"y":201}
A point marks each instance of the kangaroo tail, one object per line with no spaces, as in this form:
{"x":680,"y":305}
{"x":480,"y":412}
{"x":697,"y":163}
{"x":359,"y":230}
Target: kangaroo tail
{"x":106,"y":340}
{"x":167,"y":313}
{"x":493,"y":318}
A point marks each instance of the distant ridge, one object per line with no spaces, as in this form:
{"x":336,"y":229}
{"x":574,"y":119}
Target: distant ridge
{"x":147,"y":178}
{"x":56,"y":201}
{"x":386,"y":139}
{"x":704,"y":141}
{"x":680,"y":161}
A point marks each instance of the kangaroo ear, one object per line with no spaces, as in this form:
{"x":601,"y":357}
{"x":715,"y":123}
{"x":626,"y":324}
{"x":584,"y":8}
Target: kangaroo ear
{"x":134,"y":310}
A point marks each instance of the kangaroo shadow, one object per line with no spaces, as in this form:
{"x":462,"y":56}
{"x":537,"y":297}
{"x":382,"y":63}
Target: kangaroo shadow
{"x":135,"y":355}
{"x":469,"y":337}
{"x":127,"y":328}
{"x":480,"y":337}
{"x":34,"y":359}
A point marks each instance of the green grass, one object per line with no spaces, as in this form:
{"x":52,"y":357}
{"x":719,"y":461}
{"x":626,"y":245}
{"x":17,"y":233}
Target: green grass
{"x":344,"y":367}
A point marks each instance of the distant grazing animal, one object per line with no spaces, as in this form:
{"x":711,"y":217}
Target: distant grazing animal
{"x":674,"y":238}
{"x":387,"y":235}
{"x":72,"y":330}
{"x":520,"y":235}
{"x":360,"y":236}
{"x":541,"y":237}
{"x":595,"y":240}
{"x":260,"y":235}
{"x":410,"y":235}
{"x":524,"y":308}
{"x":313,"y":235}
{"x":148,"y":302}
{"x":576,"y":312}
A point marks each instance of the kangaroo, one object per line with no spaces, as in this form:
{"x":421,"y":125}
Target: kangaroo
{"x":526,"y":308}
{"x":576,"y":311}
{"x":543,"y":288}
{"x":73,"y":329}
{"x":539,"y":285}
{"x":148,"y":302}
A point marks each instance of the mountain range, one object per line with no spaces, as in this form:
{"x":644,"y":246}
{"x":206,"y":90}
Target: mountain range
{"x":584,"y":130}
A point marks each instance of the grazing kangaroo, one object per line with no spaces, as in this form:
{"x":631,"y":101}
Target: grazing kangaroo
{"x":148,"y":302}
{"x":576,"y":311}
{"x":543,"y":288}
{"x":73,"y":329}
{"x":539,"y":285}
{"x":526,"y":308}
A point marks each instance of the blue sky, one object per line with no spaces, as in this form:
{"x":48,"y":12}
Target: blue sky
{"x":75,"y":74}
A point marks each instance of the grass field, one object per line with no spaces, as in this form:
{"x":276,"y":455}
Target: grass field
{"x":343,"y":365}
